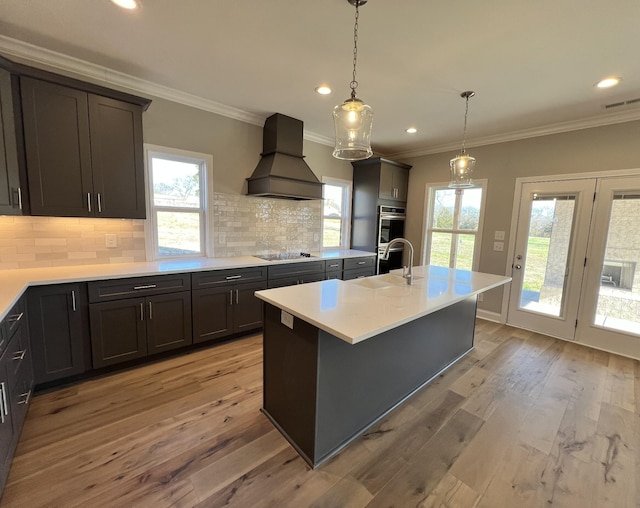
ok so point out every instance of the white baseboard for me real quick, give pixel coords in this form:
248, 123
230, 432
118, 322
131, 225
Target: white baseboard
489, 316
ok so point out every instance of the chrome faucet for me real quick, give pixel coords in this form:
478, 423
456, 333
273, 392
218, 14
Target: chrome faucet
407, 271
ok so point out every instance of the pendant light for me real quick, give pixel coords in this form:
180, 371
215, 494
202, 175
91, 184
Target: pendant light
353, 117
462, 165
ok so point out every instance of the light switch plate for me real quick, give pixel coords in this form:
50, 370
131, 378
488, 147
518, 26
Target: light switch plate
286, 319
498, 246
498, 235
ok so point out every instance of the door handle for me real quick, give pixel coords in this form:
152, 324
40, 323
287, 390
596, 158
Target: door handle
89, 201
518, 267
150, 311
99, 203
19, 198
73, 301
236, 297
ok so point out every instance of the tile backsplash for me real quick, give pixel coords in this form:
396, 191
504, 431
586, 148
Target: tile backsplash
242, 225
38, 242
246, 225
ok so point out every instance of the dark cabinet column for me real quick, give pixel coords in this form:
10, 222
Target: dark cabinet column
118, 331
212, 313
11, 199
58, 330
168, 319
116, 157
56, 129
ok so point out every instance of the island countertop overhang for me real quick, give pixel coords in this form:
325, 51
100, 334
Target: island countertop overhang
357, 310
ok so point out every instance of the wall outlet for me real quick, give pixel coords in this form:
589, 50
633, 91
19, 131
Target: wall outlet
498, 246
498, 235
110, 240
316, 237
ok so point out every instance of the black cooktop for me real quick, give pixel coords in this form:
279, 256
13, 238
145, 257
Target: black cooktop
285, 255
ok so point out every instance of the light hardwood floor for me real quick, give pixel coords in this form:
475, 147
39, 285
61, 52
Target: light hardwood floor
522, 421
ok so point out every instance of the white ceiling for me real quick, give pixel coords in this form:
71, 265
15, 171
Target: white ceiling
532, 64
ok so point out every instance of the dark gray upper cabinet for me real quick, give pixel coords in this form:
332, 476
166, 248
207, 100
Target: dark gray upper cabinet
384, 180
11, 198
83, 151
73, 148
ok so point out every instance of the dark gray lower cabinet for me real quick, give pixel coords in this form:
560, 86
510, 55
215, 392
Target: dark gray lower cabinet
16, 383
59, 331
123, 330
222, 311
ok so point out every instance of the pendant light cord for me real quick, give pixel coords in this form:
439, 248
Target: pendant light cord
354, 84
464, 132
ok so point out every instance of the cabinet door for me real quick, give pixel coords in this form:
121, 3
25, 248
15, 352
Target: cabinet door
10, 197
401, 183
387, 189
118, 331
56, 131
116, 158
212, 313
58, 331
168, 319
7, 444
247, 308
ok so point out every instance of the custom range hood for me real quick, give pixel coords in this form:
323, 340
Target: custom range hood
282, 171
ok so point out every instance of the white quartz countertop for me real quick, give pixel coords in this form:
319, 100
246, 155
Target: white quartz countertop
13, 283
359, 309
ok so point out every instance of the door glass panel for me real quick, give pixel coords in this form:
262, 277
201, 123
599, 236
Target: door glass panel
547, 254
618, 305
440, 249
470, 210
178, 233
464, 257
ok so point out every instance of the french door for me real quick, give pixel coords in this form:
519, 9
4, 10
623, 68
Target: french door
550, 249
576, 262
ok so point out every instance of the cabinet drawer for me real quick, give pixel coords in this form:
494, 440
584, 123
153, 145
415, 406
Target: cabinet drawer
20, 396
18, 356
107, 290
14, 318
358, 274
203, 280
294, 269
364, 262
335, 265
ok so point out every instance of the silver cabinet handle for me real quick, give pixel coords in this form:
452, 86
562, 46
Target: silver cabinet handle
231, 297
20, 198
150, 311
25, 397
16, 317
147, 286
19, 355
89, 201
99, 203
73, 301
362, 262
333, 266
236, 297
142, 312
4, 410
231, 277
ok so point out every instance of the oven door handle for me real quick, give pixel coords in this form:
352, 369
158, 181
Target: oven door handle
392, 216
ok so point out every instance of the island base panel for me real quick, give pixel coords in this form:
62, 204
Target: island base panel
322, 392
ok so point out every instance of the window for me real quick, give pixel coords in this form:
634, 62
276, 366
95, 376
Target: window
453, 226
336, 213
177, 214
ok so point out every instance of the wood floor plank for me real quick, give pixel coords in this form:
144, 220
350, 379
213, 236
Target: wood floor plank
523, 420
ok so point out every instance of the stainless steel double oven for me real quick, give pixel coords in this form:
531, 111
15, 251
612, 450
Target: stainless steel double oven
391, 221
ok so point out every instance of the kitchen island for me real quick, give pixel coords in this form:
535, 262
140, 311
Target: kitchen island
339, 355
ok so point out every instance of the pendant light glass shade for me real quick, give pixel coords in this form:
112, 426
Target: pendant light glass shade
462, 165
461, 171
353, 119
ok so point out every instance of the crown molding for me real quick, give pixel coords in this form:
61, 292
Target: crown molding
629, 115
52, 59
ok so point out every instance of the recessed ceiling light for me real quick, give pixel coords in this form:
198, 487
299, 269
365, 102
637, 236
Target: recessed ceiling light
127, 4
323, 90
608, 82
411, 130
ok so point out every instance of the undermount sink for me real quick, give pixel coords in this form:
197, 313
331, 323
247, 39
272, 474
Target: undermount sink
383, 281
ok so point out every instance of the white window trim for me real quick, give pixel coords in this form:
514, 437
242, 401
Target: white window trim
427, 214
345, 240
206, 198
